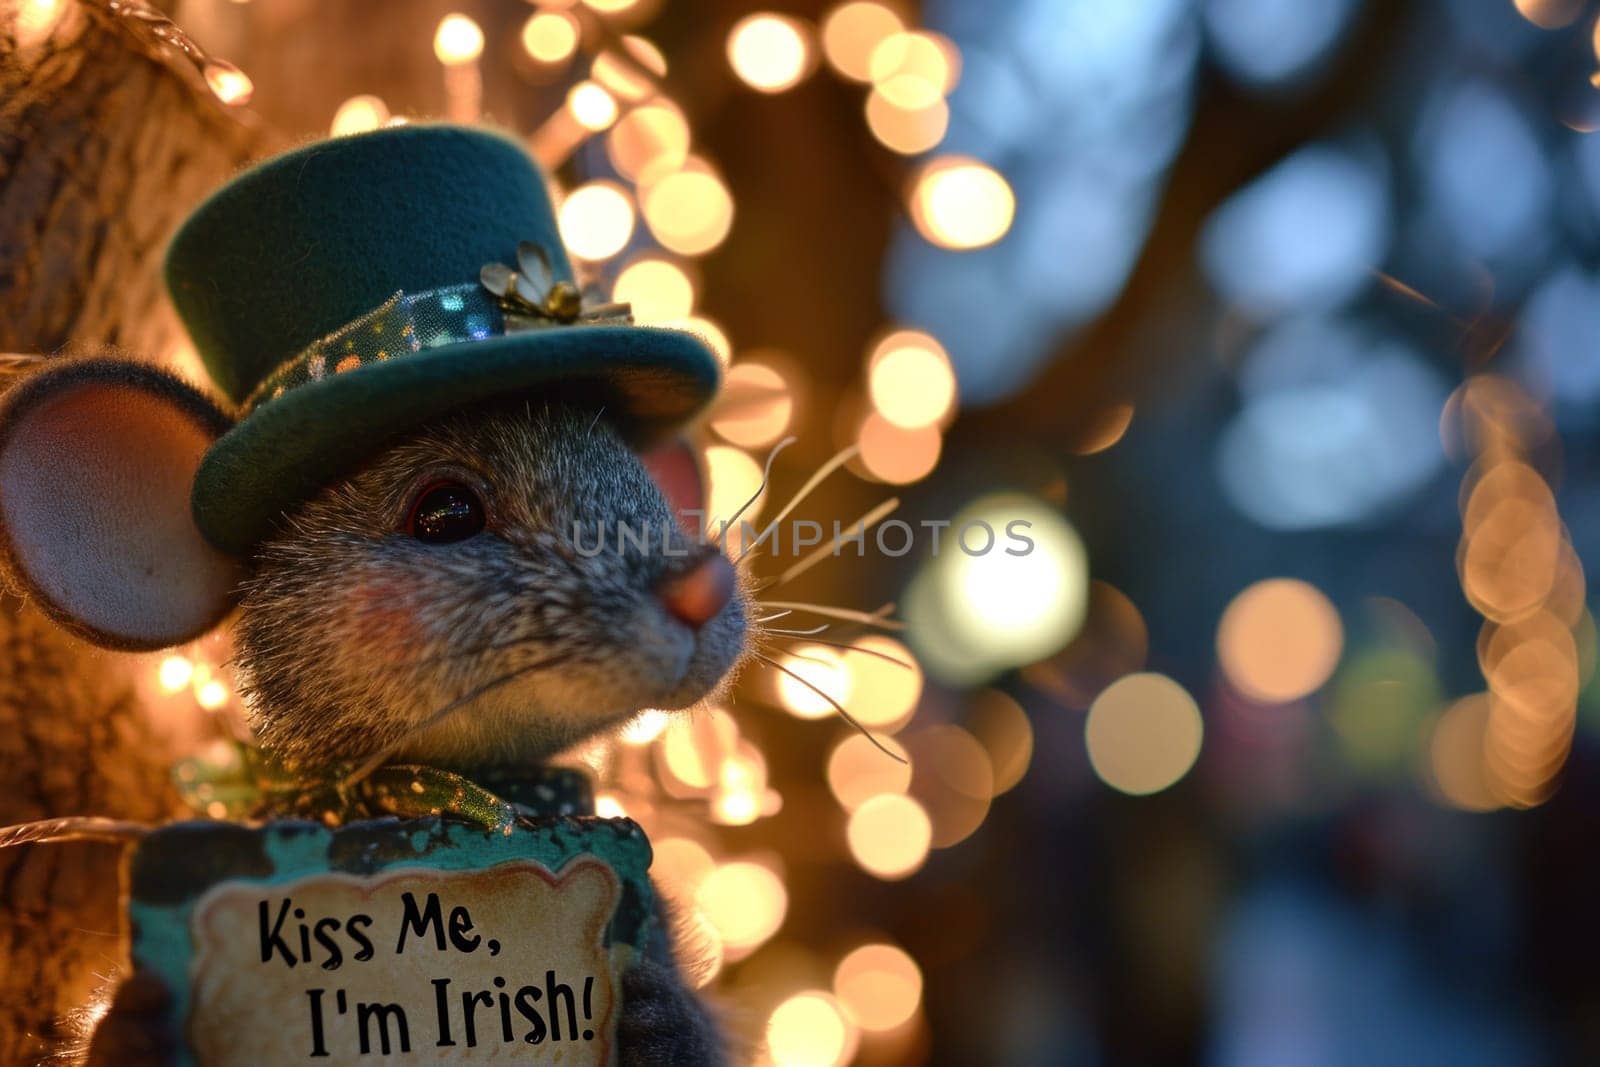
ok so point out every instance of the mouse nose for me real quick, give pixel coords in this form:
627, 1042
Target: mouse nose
698, 594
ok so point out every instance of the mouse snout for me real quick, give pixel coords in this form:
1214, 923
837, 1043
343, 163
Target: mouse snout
695, 596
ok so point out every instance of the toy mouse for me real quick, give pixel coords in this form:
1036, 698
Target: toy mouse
429, 432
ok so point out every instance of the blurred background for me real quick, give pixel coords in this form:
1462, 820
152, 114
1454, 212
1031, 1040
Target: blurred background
1280, 322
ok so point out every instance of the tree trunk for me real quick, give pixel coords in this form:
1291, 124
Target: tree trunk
104, 145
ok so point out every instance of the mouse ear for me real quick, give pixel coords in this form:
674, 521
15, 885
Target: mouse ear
97, 457
675, 466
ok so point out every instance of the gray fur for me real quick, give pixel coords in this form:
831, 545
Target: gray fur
351, 632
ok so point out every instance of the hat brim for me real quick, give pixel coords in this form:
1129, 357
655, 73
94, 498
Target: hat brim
648, 381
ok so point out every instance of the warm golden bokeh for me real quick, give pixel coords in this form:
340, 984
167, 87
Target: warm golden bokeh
910, 380
358, 115
648, 141
879, 986
746, 902
756, 405
909, 131
550, 36
1143, 733
809, 1030
851, 33
769, 52
1279, 640
1456, 755
1006, 733
689, 211
658, 291
596, 220
889, 836
821, 670
885, 682
895, 454
859, 770
735, 478
458, 40
593, 107
961, 203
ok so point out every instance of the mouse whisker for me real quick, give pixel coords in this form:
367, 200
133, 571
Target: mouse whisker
766, 475
785, 632
876, 618
839, 459
846, 645
378, 758
822, 552
774, 617
838, 707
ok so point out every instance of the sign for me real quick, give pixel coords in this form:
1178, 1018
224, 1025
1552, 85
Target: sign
423, 942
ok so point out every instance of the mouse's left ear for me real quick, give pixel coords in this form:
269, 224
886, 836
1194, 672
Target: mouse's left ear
675, 466
97, 457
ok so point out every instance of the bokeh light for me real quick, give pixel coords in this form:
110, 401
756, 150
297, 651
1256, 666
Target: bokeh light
734, 478
756, 405
1279, 640
851, 33
961, 203
897, 454
858, 770
909, 131
809, 1030
596, 220
1006, 733
889, 836
175, 672
1143, 733
1010, 599
769, 52
689, 211
746, 902
885, 682
910, 380
657, 290
228, 83
358, 115
593, 107
550, 36
649, 141
458, 40
821, 670
879, 986
1456, 755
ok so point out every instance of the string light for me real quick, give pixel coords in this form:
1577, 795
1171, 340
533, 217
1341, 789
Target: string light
230, 84
592, 106
358, 115
658, 291
1143, 733
689, 211
809, 1030
851, 32
879, 986
961, 203
458, 40
596, 220
769, 52
550, 36
889, 836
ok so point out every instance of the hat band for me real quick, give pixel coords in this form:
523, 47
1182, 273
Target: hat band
401, 325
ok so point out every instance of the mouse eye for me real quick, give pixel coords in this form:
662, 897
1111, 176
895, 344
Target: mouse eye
445, 512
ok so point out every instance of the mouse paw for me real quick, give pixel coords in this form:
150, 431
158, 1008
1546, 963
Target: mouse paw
663, 1022
136, 1030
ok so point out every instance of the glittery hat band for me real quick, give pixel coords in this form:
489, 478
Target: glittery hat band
503, 302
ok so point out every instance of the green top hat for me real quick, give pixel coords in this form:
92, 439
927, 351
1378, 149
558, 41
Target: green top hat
351, 290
